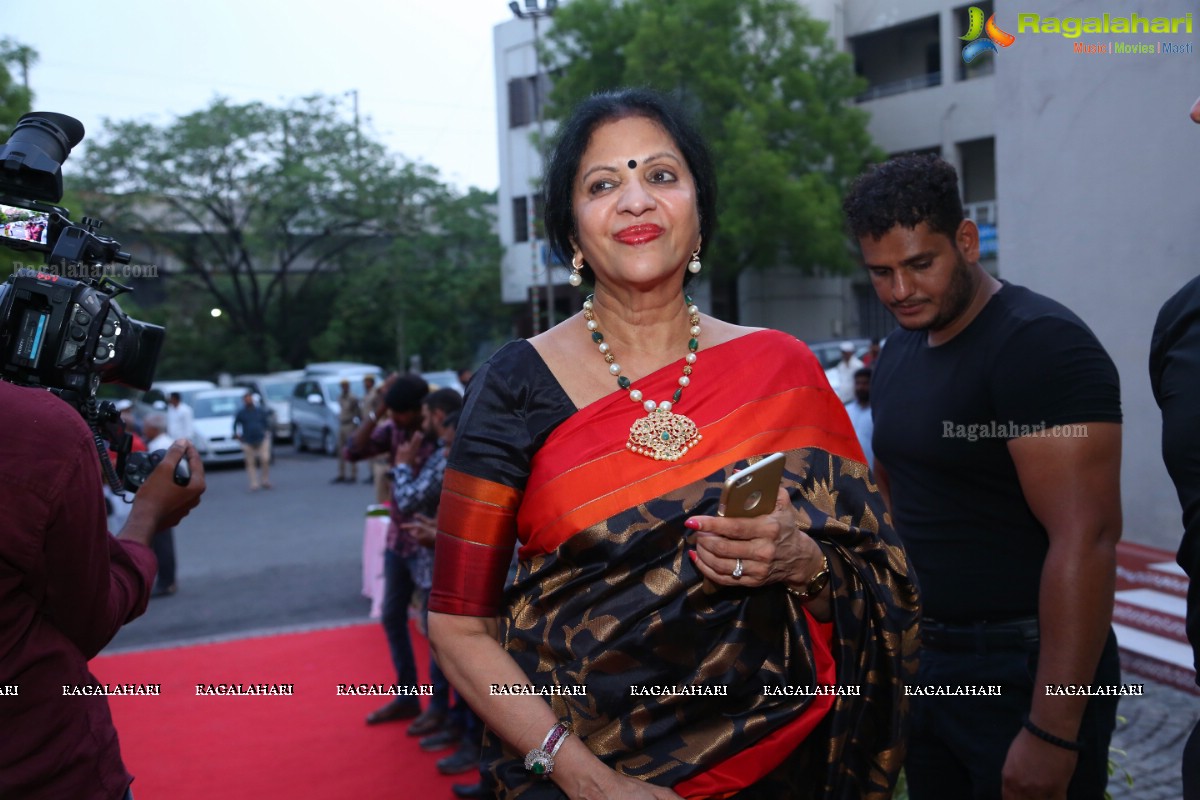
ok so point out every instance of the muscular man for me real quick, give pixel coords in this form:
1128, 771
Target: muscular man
997, 443
66, 588
1175, 380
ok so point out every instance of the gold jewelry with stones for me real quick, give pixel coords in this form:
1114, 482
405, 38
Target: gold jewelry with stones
661, 434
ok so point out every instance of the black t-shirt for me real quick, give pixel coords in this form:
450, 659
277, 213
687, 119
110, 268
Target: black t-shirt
943, 418
1175, 379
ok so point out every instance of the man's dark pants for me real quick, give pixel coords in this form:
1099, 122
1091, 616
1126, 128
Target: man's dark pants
958, 744
397, 595
1191, 766
163, 545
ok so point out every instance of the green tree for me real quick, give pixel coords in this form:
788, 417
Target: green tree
257, 209
772, 96
441, 282
15, 100
15, 97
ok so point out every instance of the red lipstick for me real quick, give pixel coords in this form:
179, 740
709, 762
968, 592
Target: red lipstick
638, 234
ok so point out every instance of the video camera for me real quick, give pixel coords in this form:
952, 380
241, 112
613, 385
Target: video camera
60, 327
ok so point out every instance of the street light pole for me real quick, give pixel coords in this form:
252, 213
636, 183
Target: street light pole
533, 11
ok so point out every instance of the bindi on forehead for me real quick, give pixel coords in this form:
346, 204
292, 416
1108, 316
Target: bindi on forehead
632, 164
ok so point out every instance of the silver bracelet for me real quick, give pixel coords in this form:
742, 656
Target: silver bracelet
540, 760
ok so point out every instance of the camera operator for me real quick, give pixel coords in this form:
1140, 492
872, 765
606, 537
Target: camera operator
66, 588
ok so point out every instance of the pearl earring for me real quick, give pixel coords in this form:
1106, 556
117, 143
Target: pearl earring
694, 264
575, 279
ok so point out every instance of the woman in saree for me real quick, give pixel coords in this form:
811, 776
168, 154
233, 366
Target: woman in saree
648, 648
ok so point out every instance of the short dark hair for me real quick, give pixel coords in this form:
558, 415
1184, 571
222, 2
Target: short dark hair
906, 190
448, 400
407, 393
572, 141
862, 372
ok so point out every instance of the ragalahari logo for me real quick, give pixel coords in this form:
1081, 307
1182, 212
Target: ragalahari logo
995, 36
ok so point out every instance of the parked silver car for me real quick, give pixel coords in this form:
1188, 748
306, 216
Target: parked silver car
315, 409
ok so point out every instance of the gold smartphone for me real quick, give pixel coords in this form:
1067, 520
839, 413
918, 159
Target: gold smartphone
752, 491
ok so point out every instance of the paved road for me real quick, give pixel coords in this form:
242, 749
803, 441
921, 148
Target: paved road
252, 561
291, 558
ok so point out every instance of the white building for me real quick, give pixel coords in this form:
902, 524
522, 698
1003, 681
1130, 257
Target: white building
1082, 169
519, 95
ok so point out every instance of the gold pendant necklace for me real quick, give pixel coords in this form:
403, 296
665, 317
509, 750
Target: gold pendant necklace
662, 434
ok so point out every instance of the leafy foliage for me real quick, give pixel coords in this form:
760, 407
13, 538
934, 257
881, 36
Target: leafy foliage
770, 92
15, 98
274, 215
443, 283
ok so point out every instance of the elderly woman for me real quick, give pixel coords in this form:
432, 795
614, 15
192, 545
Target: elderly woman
648, 648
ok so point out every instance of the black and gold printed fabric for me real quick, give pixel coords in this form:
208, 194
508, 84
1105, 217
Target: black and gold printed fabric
716, 693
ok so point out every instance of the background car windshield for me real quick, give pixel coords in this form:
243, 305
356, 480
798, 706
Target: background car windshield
333, 388
216, 406
279, 391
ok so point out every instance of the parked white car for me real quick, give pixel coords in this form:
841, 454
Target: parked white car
214, 410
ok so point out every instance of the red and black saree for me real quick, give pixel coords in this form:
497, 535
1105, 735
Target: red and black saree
709, 692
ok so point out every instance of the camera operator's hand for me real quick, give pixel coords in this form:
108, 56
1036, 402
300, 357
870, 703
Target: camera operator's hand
161, 503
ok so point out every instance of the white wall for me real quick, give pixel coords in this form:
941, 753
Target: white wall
810, 308
519, 162
1098, 172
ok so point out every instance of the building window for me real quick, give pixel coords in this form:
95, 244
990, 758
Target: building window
520, 219
524, 99
978, 160
899, 59
520, 102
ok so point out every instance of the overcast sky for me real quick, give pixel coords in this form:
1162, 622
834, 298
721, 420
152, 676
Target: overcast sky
423, 69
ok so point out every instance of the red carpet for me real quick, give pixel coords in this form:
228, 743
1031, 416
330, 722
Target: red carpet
312, 745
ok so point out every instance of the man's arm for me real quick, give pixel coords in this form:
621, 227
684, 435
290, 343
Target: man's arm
1072, 485
370, 439
414, 493
95, 584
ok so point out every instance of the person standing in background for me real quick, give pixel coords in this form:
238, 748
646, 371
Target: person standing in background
872, 353
179, 418
378, 467
252, 427
403, 396
859, 411
841, 375
349, 414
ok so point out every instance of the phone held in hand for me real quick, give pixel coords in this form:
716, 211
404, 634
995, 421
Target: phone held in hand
752, 491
